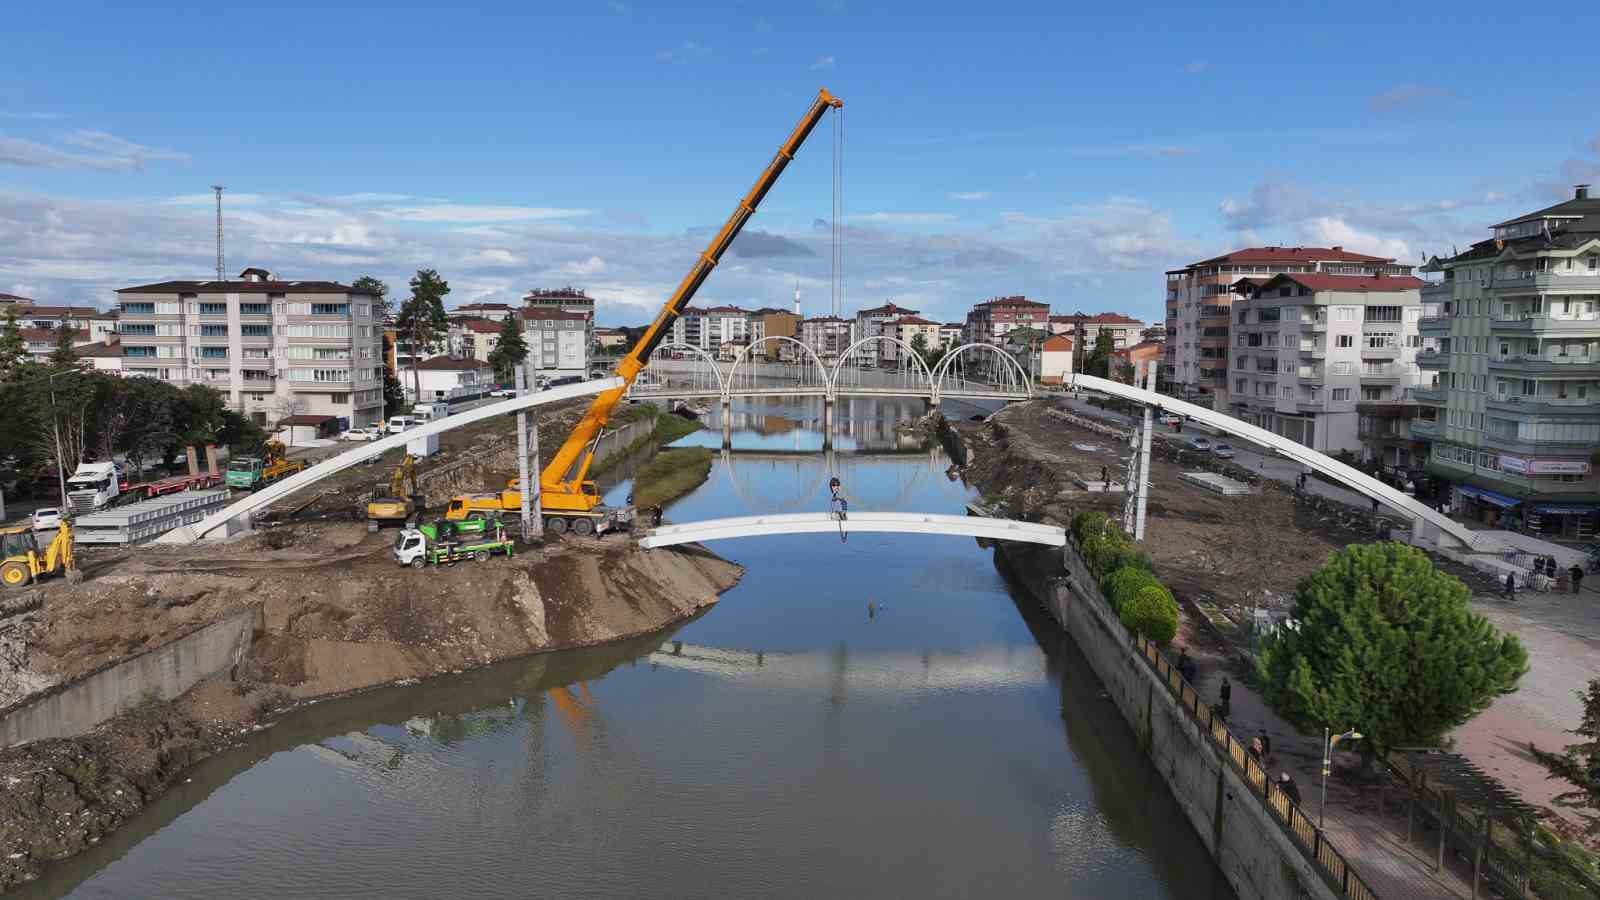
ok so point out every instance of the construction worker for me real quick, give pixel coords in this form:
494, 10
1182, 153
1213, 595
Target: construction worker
840, 504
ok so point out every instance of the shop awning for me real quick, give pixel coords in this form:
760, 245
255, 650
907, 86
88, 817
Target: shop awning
1566, 509
1488, 496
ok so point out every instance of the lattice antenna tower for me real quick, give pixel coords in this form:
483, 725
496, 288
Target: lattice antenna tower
221, 269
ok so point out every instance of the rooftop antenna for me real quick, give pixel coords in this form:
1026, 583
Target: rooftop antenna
220, 269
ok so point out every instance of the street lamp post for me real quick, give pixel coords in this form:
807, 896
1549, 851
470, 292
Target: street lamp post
1328, 743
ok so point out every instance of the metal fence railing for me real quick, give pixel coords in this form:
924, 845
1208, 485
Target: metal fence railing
1306, 835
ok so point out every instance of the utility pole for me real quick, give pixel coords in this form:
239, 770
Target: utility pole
55, 428
221, 269
1144, 453
528, 465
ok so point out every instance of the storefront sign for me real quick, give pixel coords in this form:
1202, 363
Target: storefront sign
1514, 464
1520, 466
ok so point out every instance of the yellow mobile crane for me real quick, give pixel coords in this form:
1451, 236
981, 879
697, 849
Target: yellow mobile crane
567, 496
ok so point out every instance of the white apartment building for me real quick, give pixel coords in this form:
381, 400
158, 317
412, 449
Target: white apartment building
1125, 331
446, 377
1199, 295
558, 340
710, 328
1310, 349
950, 335
828, 336
274, 348
1515, 404
908, 329
878, 321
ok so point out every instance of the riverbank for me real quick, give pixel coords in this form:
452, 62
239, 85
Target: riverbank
671, 474
337, 615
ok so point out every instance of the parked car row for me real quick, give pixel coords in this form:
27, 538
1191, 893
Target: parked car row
1219, 449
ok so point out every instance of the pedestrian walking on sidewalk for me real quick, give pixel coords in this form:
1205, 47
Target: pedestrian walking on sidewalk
1576, 574
1266, 744
1105, 479
1226, 693
1511, 586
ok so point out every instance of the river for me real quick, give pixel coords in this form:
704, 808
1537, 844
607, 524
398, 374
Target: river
861, 715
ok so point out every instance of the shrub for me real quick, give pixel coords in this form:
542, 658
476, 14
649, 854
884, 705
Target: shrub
1086, 523
1152, 612
1123, 583
1101, 548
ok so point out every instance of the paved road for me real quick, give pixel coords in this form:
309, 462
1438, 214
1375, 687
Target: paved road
1248, 455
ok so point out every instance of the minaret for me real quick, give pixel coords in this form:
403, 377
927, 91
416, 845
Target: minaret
797, 298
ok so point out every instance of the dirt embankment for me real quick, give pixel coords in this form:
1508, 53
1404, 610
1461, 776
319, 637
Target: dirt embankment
1236, 551
340, 615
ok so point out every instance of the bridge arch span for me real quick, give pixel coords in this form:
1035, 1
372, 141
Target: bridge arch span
743, 365
920, 367
719, 378
942, 371
861, 522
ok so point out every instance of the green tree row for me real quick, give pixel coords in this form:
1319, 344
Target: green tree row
1141, 601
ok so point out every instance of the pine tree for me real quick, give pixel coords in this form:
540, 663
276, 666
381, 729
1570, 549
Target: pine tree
394, 394
13, 349
510, 350
1579, 764
422, 319
62, 356
1386, 644
379, 291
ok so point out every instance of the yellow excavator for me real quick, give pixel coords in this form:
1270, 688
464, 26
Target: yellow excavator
22, 561
397, 506
569, 499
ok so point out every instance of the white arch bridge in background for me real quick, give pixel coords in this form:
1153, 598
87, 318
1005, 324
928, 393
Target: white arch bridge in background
968, 372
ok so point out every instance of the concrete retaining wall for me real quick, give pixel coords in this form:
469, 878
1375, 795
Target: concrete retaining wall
165, 672
1255, 854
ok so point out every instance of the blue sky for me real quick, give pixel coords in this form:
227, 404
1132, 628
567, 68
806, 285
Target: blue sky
1068, 154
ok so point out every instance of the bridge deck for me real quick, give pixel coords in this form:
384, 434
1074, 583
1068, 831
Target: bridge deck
877, 522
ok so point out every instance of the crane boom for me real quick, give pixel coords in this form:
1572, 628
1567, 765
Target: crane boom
562, 481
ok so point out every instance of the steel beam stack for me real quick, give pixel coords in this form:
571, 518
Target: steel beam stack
146, 519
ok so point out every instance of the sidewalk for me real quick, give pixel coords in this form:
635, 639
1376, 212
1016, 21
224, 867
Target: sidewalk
1373, 843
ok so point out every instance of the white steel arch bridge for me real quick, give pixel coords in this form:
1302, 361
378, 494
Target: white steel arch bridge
968, 372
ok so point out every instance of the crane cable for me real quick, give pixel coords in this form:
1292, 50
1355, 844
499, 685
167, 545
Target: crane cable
836, 287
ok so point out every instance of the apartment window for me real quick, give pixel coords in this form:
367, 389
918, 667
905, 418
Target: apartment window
1286, 393
256, 353
1240, 386
329, 309
138, 351
317, 331
1345, 313
213, 331
363, 310
1593, 261
213, 309
1345, 340
1344, 368
1382, 313
255, 330
1373, 393
211, 353
139, 309
131, 328
1341, 394
338, 398
255, 309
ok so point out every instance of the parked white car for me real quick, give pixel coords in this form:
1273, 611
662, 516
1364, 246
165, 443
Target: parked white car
362, 433
46, 518
1222, 451
400, 424
503, 392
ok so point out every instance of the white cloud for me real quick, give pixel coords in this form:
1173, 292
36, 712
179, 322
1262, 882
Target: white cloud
1331, 231
120, 148
1405, 96
1196, 67
582, 268
969, 195
457, 212
825, 62
209, 199
96, 150
903, 218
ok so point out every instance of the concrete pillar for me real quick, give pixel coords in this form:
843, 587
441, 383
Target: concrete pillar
1143, 487
827, 422
727, 422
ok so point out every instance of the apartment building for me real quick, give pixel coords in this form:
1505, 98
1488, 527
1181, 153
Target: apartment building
876, 322
710, 327
1309, 349
447, 377
472, 338
41, 342
494, 312
274, 348
92, 323
909, 329
828, 336
989, 321
1515, 400
950, 334
1055, 359
1199, 297
1124, 330
558, 340
770, 321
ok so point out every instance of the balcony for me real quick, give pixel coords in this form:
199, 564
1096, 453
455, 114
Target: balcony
1425, 428
1427, 394
1317, 352
1387, 351
1544, 406
1432, 359
1532, 364
1518, 283
1435, 292
1392, 376
1575, 326
1528, 445
1437, 325
1319, 323
1387, 409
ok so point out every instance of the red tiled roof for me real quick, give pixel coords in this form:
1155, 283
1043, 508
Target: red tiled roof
450, 364
1105, 318
305, 419
241, 287
887, 309
14, 298
481, 326
1291, 254
99, 349
723, 309
1318, 281
912, 320
1058, 342
1011, 301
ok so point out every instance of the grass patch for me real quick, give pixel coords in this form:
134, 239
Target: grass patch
671, 426
670, 475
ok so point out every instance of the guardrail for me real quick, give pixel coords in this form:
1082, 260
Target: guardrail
1328, 860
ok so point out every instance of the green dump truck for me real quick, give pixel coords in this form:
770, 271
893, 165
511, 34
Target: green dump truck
445, 543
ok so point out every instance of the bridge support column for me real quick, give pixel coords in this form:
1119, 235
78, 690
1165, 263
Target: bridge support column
727, 422
827, 422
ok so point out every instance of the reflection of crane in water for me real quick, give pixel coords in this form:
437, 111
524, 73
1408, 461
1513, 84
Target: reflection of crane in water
576, 710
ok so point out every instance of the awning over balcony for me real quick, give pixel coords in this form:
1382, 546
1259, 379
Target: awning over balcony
1488, 496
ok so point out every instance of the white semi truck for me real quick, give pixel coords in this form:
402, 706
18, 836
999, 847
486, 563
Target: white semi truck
93, 486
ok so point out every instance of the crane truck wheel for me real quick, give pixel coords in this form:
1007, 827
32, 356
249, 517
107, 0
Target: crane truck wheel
481, 556
13, 575
582, 527
556, 526
418, 563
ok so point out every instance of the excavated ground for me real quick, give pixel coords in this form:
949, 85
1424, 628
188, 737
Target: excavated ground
1235, 551
340, 615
